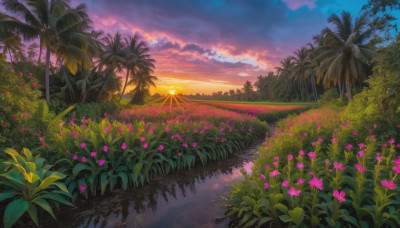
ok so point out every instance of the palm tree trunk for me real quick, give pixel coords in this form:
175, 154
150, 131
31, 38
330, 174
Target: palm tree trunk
314, 88
47, 76
9, 52
348, 87
126, 82
301, 92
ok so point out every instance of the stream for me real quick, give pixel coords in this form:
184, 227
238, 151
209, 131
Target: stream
181, 199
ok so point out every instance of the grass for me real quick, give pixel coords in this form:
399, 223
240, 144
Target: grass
311, 104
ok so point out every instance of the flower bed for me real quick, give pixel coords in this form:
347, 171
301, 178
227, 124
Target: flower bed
319, 170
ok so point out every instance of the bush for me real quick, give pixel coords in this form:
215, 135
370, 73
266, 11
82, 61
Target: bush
275, 116
94, 111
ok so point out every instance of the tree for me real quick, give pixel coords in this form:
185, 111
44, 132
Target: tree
12, 45
60, 28
344, 56
136, 58
247, 90
143, 81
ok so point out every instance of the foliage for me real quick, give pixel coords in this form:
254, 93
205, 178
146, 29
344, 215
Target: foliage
149, 141
28, 184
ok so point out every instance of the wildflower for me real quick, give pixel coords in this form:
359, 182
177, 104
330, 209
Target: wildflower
274, 173
194, 144
124, 146
34, 84
334, 140
290, 157
339, 196
311, 173
360, 153
349, 147
396, 169
67, 152
166, 129
266, 166
266, 184
75, 157
83, 159
275, 163
360, 168
161, 147
311, 155
285, 184
293, 192
82, 188
180, 154
327, 162
355, 132
379, 157
301, 153
105, 148
261, 176
101, 162
83, 145
389, 185
93, 154
142, 139
145, 145
300, 181
337, 165
391, 141
300, 165
317, 183
361, 145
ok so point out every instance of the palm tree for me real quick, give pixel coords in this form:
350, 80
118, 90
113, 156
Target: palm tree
12, 45
298, 71
60, 28
136, 58
143, 81
344, 56
247, 90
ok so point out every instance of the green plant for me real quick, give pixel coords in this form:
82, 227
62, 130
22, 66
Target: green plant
29, 184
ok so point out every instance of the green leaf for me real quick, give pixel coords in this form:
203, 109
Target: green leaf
43, 204
281, 207
33, 214
57, 198
297, 215
4, 196
78, 168
136, 170
264, 220
49, 181
14, 211
285, 218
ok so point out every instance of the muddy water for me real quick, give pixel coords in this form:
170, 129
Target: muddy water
185, 199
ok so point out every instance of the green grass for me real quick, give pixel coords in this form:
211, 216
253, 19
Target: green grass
310, 104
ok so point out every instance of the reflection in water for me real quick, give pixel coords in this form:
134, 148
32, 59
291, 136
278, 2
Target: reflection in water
185, 199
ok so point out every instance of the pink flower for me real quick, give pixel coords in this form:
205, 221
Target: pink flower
75, 157
145, 145
301, 153
396, 169
93, 154
261, 176
185, 144
355, 132
360, 153
194, 144
180, 154
166, 129
290, 157
300, 181
334, 140
389, 185
361, 145
67, 152
82, 188
30, 74
266, 166
327, 162
101, 162
379, 157
124, 146
266, 185
285, 184
339, 196
337, 165
311, 155
300, 165
275, 163
360, 168
311, 173
293, 192
83, 145
317, 183
105, 148
391, 141
142, 139
274, 173
34, 84
105, 114
161, 147
349, 147
83, 159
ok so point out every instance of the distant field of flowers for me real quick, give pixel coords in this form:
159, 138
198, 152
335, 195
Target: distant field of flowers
319, 169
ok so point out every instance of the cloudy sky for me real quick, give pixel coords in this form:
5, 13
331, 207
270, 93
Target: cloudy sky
209, 45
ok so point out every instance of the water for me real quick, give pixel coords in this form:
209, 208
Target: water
183, 199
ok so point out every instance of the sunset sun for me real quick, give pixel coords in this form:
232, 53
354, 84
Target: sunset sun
172, 92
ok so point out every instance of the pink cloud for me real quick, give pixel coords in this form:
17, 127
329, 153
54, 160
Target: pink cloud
295, 4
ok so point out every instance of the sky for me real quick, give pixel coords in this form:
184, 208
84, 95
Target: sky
203, 46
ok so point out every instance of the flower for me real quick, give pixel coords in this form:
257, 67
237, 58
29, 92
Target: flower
124, 146
75, 157
266, 166
166, 129
360, 168
379, 157
274, 173
194, 144
300, 181
290, 157
145, 145
389, 185
142, 139
67, 152
301, 153
261, 176
396, 169
34, 84
180, 154
300, 165
311, 173
82, 188
161, 147
105, 148
185, 144
337, 165
266, 185
293, 192
327, 162
93, 154
101, 162
83, 159
311, 155
355, 132
317, 183
361, 145
285, 184
83, 145
339, 196
360, 153
391, 141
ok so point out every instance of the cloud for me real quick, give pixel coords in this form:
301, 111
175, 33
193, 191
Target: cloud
295, 4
